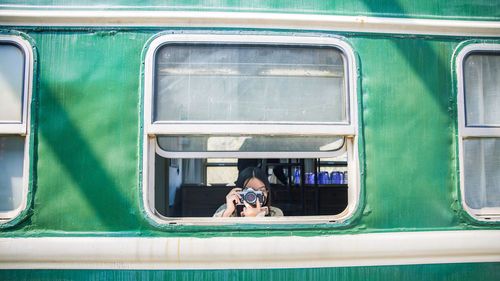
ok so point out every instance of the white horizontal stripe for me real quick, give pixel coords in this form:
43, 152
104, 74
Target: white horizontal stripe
393, 248
471, 132
71, 17
13, 129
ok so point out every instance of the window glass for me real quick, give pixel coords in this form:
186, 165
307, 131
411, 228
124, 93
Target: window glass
11, 83
11, 172
482, 177
220, 82
249, 143
482, 89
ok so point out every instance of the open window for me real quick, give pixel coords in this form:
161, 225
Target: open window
216, 103
15, 91
478, 69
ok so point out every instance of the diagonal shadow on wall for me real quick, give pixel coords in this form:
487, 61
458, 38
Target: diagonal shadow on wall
107, 202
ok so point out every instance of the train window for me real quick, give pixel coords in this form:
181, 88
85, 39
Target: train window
15, 81
215, 104
479, 129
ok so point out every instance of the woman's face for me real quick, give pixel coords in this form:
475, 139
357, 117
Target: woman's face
256, 185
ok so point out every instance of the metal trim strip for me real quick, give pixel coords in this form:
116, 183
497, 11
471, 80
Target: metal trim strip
121, 18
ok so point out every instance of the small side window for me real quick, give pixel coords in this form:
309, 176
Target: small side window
15, 83
479, 129
11, 83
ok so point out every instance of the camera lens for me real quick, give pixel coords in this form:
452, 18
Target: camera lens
250, 197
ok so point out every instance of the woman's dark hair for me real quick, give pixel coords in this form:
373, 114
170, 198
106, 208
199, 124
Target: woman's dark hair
254, 172
251, 172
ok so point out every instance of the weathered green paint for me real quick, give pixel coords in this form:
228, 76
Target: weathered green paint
86, 137
406, 96
456, 9
88, 144
89, 138
442, 272
89, 153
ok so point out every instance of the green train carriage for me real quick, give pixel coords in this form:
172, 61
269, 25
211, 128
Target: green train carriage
122, 127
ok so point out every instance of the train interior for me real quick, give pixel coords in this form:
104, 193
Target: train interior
197, 187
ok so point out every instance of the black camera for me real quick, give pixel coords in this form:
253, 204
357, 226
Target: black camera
251, 196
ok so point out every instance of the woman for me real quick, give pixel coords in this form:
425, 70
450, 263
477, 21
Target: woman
255, 178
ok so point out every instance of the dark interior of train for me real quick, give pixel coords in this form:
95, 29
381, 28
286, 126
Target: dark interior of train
299, 187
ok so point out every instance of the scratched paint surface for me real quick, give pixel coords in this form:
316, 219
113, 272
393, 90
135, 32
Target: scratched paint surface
89, 130
88, 122
88, 139
442, 272
456, 9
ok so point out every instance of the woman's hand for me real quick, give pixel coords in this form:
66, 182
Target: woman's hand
232, 198
251, 211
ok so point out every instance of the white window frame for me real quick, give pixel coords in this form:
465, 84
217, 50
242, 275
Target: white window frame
347, 129
246, 154
464, 131
20, 128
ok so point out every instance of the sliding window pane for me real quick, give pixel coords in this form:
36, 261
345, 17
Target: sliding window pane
250, 143
11, 83
482, 172
210, 82
11, 172
482, 89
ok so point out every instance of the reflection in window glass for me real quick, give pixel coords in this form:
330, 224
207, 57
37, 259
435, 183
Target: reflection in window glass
218, 82
250, 143
482, 177
11, 83
11, 172
221, 175
482, 89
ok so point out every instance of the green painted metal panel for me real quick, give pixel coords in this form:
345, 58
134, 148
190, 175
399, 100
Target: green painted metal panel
88, 140
456, 9
443, 272
408, 126
88, 131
